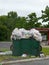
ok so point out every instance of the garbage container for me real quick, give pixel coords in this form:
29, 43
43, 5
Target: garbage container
16, 48
26, 46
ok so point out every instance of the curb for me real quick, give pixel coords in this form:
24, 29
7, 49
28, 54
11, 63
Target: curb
25, 60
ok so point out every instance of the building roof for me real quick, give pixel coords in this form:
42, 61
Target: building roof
43, 29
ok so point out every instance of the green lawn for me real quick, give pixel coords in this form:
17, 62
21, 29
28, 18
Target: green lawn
45, 50
4, 49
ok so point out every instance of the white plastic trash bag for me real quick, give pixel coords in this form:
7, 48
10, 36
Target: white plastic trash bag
36, 34
16, 34
23, 33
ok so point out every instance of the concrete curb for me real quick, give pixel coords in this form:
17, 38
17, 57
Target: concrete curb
25, 60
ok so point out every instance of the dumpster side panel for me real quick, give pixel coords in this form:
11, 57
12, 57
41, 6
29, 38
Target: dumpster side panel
35, 48
16, 47
26, 46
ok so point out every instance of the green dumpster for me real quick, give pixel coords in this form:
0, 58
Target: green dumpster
26, 46
16, 48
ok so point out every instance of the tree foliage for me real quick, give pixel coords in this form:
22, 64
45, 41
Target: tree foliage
45, 14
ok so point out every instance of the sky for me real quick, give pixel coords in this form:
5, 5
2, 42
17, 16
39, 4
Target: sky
23, 7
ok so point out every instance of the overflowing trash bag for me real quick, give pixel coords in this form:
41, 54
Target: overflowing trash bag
36, 34
23, 33
16, 34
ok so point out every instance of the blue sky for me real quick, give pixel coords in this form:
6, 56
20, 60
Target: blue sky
23, 7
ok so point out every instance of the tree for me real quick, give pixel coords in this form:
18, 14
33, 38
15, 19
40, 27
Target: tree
11, 20
47, 25
4, 33
12, 14
45, 14
32, 20
38, 25
21, 22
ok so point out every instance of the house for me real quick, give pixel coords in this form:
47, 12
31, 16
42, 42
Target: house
45, 34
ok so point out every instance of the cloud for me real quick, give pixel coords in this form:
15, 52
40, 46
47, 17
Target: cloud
23, 7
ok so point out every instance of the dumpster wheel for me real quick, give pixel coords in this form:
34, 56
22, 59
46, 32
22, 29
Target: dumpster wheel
40, 48
11, 47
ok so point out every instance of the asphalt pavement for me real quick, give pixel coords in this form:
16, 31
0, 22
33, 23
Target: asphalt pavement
5, 45
42, 62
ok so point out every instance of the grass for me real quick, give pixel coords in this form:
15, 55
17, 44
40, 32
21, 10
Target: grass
45, 50
4, 49
9, 57
4, 58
